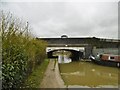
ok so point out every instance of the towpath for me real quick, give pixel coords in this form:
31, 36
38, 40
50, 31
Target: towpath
52, 77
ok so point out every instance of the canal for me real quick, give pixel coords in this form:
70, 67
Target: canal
88, 74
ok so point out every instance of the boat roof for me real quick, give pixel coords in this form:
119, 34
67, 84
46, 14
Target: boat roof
110, 54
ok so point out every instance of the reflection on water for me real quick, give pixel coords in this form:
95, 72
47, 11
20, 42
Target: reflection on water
64, 59
89, 74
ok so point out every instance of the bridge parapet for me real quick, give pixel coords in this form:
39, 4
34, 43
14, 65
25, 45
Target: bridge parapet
68, 45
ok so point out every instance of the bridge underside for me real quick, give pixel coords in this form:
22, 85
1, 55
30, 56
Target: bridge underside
75, 55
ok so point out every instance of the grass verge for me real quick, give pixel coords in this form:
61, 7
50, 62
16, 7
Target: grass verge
37, 75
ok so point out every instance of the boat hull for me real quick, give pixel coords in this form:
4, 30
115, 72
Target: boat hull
106, 63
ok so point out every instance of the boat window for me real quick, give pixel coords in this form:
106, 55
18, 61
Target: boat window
112, 57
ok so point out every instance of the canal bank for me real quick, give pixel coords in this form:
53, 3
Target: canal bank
75, 75
52, 77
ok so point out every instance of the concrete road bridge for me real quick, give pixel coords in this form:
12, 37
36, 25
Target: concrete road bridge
77, 52
79, 47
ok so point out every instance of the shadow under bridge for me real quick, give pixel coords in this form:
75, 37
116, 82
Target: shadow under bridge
74, 54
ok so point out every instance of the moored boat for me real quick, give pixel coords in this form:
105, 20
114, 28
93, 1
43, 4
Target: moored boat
106, 59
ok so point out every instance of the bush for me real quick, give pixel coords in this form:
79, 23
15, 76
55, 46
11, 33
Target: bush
21, 53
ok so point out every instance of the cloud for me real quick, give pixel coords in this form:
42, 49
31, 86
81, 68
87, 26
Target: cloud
52, 19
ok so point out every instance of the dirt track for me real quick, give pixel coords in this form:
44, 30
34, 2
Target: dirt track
52, 78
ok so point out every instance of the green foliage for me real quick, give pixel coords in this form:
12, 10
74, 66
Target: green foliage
34, 80
21, 53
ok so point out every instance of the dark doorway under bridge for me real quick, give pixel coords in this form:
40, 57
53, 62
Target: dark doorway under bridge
75, 55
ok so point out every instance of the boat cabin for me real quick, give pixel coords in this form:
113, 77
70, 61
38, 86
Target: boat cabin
109, 57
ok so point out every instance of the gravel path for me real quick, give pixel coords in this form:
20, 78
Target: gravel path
52, 78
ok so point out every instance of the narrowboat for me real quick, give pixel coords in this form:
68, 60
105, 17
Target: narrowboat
106, 59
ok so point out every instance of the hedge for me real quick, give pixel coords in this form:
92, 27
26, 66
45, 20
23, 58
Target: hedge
21, 52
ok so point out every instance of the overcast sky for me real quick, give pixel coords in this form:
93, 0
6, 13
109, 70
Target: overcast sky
75, 19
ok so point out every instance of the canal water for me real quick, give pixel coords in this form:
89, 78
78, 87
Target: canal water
88, 74
64, 59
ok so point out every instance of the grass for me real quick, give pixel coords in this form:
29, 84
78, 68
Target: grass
36, 77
